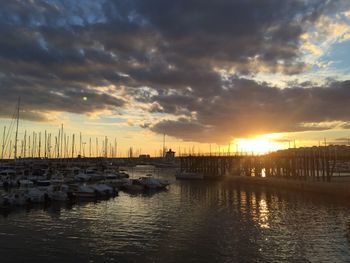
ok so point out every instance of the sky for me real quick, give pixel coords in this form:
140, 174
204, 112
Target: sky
209, 74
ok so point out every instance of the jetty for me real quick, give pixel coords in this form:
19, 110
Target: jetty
323, 169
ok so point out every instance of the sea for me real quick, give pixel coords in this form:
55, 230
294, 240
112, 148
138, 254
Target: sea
192, 221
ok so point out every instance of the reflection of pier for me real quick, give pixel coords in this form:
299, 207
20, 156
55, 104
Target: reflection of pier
316, 163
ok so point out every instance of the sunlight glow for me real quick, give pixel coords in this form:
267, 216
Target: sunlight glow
259, 145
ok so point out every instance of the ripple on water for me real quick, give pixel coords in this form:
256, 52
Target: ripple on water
191, 222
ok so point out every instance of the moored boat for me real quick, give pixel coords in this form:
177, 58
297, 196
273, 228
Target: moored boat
153, 183
104, 189
84, 192
134, 185
58, 192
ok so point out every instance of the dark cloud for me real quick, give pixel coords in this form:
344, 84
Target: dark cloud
38, 100
168, 54
248, 108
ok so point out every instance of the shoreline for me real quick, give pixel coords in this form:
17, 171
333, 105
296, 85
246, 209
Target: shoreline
335, 189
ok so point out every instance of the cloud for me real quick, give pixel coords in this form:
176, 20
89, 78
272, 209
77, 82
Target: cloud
186, 58
248, 108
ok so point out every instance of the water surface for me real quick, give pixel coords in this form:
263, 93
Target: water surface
209, 221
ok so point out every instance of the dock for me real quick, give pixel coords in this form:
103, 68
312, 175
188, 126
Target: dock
308, 164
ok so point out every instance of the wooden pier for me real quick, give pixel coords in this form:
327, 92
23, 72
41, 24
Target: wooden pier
210, 166
312, 164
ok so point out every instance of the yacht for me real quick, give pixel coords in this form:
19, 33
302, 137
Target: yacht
153, 183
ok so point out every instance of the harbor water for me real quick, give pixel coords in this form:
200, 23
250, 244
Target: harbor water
193, 221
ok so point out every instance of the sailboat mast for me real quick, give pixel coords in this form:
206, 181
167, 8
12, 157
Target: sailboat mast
80, 144
97, 155
25, 144
39, 150
90, 148
3, 144
73, 142
45, 148
17, 123
62, 150
115, 148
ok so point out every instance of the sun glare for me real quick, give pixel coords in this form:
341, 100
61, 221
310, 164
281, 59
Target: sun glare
258, 145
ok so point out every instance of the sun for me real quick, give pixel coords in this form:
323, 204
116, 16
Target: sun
258, 145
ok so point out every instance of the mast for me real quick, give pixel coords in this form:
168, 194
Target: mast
80, 144
39, 151
73, 142
55, 148
66, 155
22, 147
58, 144
45, 148
25, 144
3, 144
33, 144
97, 155
29, 146
10, 152
90, 148
64, 146
163, 145
106, 147
62, 150
17, 123
49, 145
115, 147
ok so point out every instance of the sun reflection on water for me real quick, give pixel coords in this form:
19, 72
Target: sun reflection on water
263, 214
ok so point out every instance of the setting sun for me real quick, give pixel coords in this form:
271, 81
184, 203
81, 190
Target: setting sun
258, 145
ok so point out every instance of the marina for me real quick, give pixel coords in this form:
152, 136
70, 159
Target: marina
41, 182
182, 131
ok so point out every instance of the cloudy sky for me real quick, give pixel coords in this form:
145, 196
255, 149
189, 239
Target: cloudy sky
200, 71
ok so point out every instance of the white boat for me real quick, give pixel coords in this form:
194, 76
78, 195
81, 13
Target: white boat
109, 174
73, 171
58, 192
25, 183
8, 177
94, 175
134, 185
82, 177
36, 196
18, 198
118, 183
57, 178
189, 175
8, 173
23, 197
103, 189
36, 178
85, 192
89, 175
153, 183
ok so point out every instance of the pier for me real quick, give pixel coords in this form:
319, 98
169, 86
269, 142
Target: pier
210, 166
310, 164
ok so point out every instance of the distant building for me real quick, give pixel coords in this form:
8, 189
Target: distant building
170, 155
